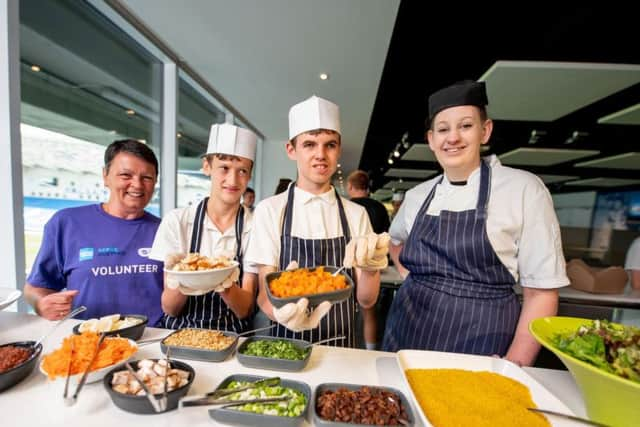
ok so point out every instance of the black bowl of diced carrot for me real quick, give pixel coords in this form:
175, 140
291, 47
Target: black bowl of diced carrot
317, 284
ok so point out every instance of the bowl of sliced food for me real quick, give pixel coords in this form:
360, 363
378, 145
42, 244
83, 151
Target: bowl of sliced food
77, 351
604, 359
317, 284
128, 394
17, 360
200, 272
123, 325
288, 405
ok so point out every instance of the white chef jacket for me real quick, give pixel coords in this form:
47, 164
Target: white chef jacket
632, 261
314, 217
522, 226
174, 236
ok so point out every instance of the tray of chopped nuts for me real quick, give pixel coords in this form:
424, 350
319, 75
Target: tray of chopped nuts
200, 344
340, 404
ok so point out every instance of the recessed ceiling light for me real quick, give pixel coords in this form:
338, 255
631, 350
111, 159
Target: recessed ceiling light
390, 161
396, 153
339, 165
130, 112
179, 135
35, 68
324, 76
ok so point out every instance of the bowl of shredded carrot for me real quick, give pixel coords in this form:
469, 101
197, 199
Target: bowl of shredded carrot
79, 349
317, 284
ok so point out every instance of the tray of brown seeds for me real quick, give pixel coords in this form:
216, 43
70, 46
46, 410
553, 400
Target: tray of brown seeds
200, 344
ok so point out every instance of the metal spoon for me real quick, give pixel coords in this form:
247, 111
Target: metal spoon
257, 330
323, 341
71, 314
570, 417
335, 273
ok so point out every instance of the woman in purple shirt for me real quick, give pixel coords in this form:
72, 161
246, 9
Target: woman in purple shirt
97, 255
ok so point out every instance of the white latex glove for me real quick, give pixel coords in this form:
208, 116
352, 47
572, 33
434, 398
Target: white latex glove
368, 252
294, 316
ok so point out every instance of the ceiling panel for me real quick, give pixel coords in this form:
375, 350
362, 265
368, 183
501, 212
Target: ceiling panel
420, 153
401, 185
410, 173
604, 182
628, 116
620, 161
552, 89
550, 179
543, 156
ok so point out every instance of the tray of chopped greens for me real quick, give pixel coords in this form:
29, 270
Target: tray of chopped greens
289, 413
614, 348
280, 354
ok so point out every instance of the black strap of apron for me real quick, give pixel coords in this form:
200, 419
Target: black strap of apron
198, 229
198, 222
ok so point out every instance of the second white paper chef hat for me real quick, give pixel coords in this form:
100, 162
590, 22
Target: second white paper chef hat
311, 114
232, 140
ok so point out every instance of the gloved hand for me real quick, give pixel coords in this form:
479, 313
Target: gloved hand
368, 252
294, 316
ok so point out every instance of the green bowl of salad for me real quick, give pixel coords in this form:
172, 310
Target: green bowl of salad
604, 359
274, 353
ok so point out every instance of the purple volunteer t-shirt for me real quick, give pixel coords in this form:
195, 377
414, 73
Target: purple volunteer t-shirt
105, 258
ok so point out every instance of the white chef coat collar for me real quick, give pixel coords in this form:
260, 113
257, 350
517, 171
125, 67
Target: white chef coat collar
305, 197
210, 225
475, 175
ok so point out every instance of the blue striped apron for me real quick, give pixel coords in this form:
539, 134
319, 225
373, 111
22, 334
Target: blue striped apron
209, 311
314, 252
458, 296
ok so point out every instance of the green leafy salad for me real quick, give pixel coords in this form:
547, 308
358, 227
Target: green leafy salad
276, 349
290, 408
611, 347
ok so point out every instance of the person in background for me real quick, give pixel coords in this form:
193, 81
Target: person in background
99, 253
311, 225
249, 198
632, 264
358, 190
396, 202
465, 238
218, 225
282, 186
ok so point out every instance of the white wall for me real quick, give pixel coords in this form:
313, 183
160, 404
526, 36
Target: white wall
575, 209
274, 164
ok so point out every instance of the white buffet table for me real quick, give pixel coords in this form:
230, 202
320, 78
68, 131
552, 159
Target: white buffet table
38, 402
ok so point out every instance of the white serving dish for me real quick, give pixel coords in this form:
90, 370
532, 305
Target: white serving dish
418, 359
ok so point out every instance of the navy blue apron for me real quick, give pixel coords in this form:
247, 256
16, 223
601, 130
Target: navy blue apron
310, 253
458, 296
209, 311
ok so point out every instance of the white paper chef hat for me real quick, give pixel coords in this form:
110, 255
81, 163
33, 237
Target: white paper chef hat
397, 197
311, 114
232, 140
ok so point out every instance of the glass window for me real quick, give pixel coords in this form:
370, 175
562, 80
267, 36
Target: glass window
84, 84
196, 114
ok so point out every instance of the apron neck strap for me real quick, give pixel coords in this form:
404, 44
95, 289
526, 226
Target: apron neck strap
198, 229
485, 189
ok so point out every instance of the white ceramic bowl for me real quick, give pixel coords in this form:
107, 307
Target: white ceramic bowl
93, 376
202, 279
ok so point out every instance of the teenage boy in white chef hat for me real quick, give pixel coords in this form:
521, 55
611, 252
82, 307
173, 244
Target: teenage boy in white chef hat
218, 225
311, 225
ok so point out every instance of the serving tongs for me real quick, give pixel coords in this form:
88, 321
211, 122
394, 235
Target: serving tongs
69, 401
219, 397
569, 417
159, 404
